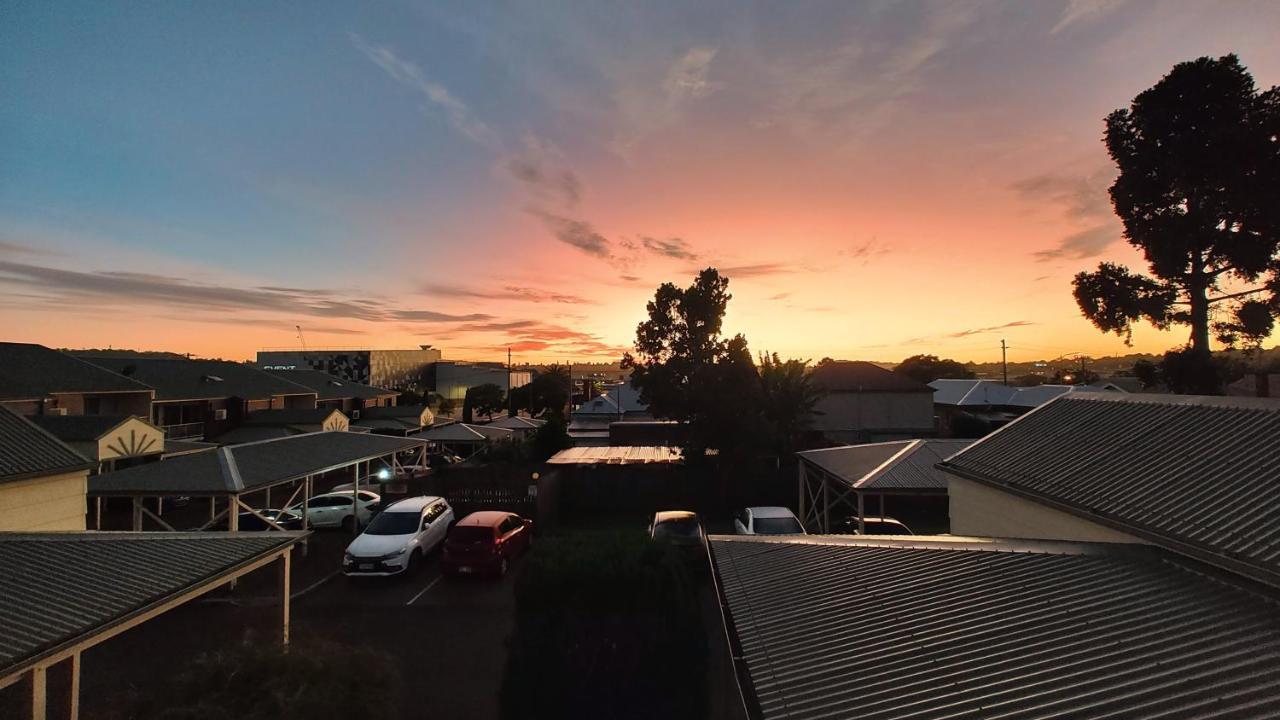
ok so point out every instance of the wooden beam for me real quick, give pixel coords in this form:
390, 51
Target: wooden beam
73, 700
39, 692
862, 524
137, 514
257, 514
283, 571
157, 518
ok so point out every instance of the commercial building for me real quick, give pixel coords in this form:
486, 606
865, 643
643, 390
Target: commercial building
397, 369
451, 378
334, 392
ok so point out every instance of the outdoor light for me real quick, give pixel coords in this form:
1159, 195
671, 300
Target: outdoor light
535, 476
384, 474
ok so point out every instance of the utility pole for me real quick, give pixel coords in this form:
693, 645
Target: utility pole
1004, 360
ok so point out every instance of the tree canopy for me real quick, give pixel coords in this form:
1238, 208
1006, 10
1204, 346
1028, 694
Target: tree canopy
1197, 191
485, 400
546, 394
927, 368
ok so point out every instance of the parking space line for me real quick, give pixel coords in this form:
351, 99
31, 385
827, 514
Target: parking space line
424, 590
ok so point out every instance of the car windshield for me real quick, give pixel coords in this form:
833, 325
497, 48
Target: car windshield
471, 534
884, 528
678, 528
777, 526
394, 523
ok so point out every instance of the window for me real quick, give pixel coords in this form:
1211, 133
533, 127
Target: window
511, 523
367, 496
394, 523
777, 526
678, 528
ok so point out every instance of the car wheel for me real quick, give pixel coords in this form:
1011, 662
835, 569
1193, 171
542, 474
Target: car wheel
348, 524
415, 559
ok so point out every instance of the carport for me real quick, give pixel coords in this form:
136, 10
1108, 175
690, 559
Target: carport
234, 472
465, 438
67, 592
846, 476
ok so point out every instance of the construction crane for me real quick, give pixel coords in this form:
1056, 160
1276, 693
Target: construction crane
301, 340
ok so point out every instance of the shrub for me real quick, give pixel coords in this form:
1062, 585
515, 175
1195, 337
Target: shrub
607, 626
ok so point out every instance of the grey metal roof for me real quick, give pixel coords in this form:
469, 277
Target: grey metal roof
29, 372
60, 587
73, 428
291, 416
464, 432
238, 468
183, 379
1196, 474
330, 387
895, 465
896, 629
28, 451
862, 376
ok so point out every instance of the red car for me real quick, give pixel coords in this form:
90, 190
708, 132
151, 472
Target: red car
485, 542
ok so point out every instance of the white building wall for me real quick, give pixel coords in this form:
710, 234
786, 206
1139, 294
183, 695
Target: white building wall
983, 511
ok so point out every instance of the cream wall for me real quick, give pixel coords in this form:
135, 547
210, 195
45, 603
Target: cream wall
984, 511
853, 412
53, 502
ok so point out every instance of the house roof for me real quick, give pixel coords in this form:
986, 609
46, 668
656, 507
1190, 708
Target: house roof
290, 416
518, 423
394, 411
59, 588
182, 379
983, 393
329, 387
27, 451
30, 372
254, 465
618, 455
1196, 474
862, 376
897, 465
910, 628
81, 428
617, 399
464, 432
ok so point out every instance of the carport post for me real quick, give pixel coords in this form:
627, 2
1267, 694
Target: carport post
97, 513
73, 702
862, 525
355, 502
268, 503
282, 586
800, 475
826, 508
39, 693
881, 495
137, 514
306, 503
213, 508
233, 513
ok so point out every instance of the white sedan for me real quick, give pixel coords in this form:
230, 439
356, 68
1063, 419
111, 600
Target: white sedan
767, 521
399, 537
335, 509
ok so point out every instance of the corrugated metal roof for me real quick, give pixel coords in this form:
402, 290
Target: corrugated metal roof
465, 432
58, 587
985, 393
259, 464
34, 371
183, 379
862, 376
618, 455
899, 629
29, 451
895, 465
1199, 474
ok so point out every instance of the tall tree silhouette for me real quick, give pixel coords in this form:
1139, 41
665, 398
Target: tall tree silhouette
1199, 195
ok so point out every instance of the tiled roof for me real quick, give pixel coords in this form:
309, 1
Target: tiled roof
896, 465
518, 423
61, 587
890, 630
28, 451
861, 376
182, 379
290, 416
329, 387
29, 372
252, 465
394, 411
464, 432
1196, 474
78, 428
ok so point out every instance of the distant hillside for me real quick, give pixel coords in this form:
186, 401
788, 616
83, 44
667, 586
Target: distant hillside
113, 353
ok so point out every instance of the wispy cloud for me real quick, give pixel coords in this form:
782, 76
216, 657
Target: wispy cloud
437, 95
576, 233
673, 247
504, 292
687, 77
14, 248
1081, 199
69, 288
540, 167
1077, 11
756, 270
989, 329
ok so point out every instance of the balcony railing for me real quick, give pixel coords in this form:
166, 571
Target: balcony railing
184, 431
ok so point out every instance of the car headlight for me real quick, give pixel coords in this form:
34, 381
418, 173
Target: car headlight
393, 555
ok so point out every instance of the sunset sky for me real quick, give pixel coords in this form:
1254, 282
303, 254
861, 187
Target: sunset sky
876, 179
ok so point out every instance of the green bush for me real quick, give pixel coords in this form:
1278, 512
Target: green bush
607, 626
313, 681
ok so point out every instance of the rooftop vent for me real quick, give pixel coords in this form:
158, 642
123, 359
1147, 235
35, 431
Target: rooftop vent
211, 378
335, 383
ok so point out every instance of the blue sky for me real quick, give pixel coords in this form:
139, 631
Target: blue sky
477, 175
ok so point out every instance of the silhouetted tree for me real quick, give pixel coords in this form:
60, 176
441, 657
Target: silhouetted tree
1028, 380
927, 368
547, 393
789, 395
1197, 191
1148, 373
484, 399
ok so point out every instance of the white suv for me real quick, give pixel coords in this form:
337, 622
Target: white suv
399, 537
334, 509
766, 521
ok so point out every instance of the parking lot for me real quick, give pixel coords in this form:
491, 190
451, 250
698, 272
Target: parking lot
446, 635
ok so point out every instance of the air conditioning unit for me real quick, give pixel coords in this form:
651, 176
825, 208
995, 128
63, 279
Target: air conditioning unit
355, 414
220, 414
56, 411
